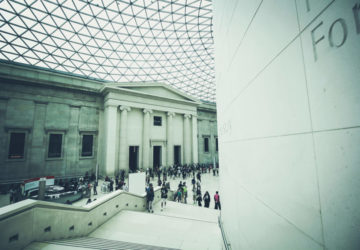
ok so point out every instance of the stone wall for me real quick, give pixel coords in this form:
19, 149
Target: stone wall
39, 110
40, 103
288, 97
207, 128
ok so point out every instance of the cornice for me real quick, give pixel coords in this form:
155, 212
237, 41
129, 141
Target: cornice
109, 89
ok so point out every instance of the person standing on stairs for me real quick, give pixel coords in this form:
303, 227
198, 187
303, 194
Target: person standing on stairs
150, 198
164, 193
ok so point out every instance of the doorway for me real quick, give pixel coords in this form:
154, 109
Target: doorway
177, 155
156, 157
133, 158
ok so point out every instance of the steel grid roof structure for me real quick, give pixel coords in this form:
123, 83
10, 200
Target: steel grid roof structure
168, 41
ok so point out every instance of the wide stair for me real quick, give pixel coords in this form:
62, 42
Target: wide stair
178, 226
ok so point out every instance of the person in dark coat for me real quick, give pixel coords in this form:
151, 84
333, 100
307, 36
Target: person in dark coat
150, 197
164, 192
95, 186
206, 199
199, 198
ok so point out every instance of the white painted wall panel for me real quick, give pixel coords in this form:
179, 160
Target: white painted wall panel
333, 78
135, 126
158, 132
288, 100
272, 29
276, 100
338, 158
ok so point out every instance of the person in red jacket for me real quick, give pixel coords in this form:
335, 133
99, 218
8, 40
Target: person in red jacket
217, 201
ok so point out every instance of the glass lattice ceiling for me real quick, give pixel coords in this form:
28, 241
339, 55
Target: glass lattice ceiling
166, 41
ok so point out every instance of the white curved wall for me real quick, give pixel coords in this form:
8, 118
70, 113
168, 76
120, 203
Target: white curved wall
288, 98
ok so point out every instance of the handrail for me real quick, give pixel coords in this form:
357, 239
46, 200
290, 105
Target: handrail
226, 243
27, 223
59, 206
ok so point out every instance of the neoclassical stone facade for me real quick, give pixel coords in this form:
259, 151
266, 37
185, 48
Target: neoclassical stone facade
150, 119
63, 125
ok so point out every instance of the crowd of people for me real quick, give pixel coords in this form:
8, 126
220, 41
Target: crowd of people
181, 194
179, 171
163, 174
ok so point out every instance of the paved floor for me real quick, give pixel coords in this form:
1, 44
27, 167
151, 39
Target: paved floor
209, 183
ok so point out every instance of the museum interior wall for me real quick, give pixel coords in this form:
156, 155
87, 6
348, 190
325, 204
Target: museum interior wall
288, 99
54, 124
36, 109
207, 133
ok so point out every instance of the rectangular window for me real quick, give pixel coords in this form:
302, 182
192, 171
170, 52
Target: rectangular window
17, 145
157, 120
206, 144
55, 145
217, 145
87, 145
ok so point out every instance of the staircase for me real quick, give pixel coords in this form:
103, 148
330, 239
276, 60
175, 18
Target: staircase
98, 243
178, 226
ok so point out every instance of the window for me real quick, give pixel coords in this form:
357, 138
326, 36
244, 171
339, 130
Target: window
55, 145
206, 144
216, 144
17, 145
87, 145
157, 120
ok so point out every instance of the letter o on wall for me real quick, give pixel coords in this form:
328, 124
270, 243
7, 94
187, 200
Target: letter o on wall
341, 23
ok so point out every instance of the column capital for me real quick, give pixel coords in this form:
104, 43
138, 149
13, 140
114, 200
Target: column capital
195, 116
187, 116
124, 108
147, 111
171, 114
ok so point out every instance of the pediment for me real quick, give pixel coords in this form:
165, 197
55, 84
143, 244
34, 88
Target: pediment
158, 89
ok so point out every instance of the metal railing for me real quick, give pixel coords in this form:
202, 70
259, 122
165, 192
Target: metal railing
226, 243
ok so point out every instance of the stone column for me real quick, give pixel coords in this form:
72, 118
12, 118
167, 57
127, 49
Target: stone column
146, 139
110, 139
187, 141
124, 150
194, 140
169, 137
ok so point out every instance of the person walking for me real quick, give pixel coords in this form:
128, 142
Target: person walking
164, 192
185, 193
217, 201
199, 198
206, 199
179, 194
95, 185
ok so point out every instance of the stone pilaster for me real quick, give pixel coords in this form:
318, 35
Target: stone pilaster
194, 141
3, 135
169, 137
110, 139
124, 149
72, 142
38, 142
146, 139
187, 139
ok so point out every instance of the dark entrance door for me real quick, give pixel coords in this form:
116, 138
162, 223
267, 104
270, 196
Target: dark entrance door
156, 157
177, 155
133, 158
